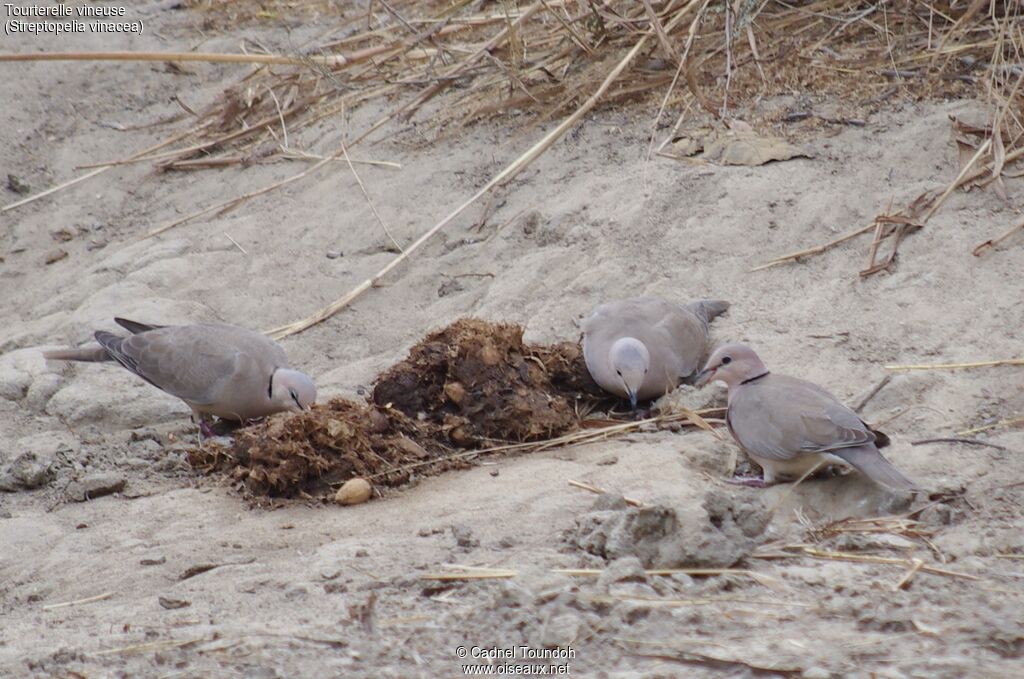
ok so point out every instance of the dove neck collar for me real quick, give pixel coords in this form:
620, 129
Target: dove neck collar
755, 377
270, 384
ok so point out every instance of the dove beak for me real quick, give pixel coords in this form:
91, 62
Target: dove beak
704, 376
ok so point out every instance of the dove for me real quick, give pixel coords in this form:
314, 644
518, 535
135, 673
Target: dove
642, 348
221, 370
788, 425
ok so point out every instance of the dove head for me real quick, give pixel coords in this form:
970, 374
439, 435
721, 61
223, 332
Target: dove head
630, 360
732, 364
292, 390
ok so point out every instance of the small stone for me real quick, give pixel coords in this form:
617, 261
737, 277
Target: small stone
627, 568
455, 392
334, 254
353, 492
95, 485
815, 672
362, 553
26, 471
55, 256
608, 460
464, 537
296, 592
17, 185
171, 604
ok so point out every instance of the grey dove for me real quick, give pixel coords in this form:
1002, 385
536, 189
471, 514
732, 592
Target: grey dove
216, 369
642, 348
788, 425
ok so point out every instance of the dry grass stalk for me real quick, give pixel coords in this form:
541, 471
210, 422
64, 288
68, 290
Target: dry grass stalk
903, 526
655, 602
151, 646
76, 602
575, 438
601, 491
336, 60
464, 572
542, 60
956, 366
77, 180
1009, 422
509, 172
814, 553
991, 243
223, 207
760, 578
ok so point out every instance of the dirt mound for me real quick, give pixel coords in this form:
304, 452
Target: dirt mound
717, 535
468, 386
479, 380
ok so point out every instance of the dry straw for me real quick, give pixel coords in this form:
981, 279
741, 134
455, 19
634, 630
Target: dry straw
562, 59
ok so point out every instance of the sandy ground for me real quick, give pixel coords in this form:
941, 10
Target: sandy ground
328, 591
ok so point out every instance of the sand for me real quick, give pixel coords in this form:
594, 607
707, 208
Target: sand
177, 574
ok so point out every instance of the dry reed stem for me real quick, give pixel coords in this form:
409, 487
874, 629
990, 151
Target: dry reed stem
238, 200
655, 602
760, 578
76, 602
575, 438
981, 248
817, 250
150, 646
380, 220
814, 553
1009, 422
601, 491
916, 565
335, 60
78, 180
956, 366
964, 177
510, 171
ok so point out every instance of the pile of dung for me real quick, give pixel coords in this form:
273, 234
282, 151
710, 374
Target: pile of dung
307, 453
479, 382
469, 386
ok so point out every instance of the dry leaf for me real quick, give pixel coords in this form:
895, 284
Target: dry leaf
740, 145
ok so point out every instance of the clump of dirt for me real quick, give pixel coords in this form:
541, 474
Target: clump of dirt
717, 535
468, 386
478, 380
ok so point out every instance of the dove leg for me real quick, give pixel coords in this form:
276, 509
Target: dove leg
748, 481
205, 429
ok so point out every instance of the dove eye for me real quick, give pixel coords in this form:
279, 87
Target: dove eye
295, 397
619, 373
726, 361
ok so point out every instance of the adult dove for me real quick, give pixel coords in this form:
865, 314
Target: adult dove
642, 348
788, 425
216, 369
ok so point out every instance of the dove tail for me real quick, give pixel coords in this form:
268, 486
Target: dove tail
88, 354
870, 462
708, 309
134, 327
